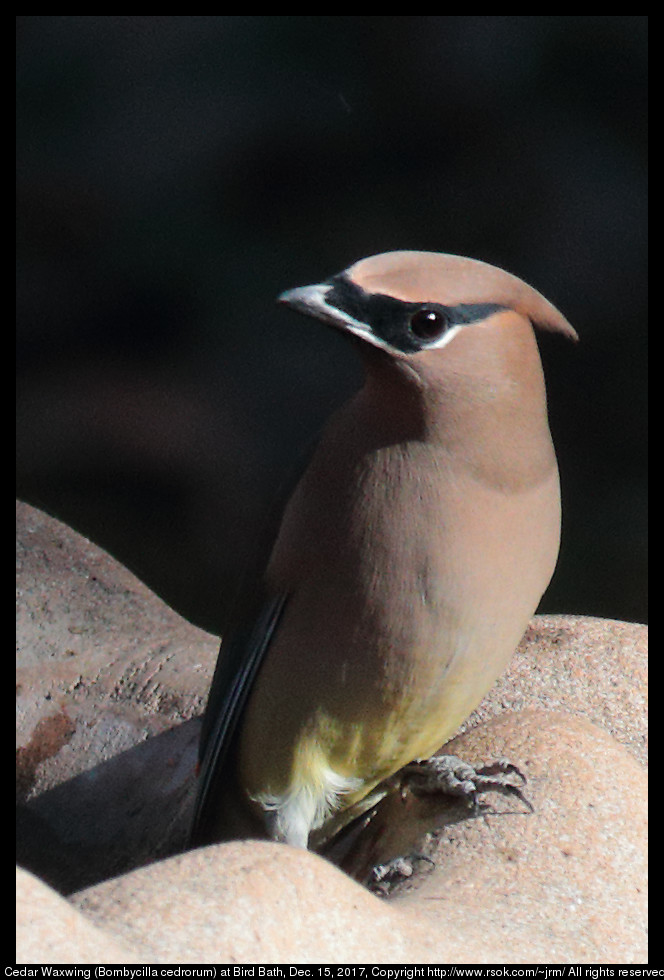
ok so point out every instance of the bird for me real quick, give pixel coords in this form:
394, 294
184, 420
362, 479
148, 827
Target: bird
408, 560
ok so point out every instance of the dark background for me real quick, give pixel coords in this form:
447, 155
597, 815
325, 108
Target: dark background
176, 173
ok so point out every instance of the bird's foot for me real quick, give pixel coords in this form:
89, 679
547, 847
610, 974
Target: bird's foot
384, 878
452, 776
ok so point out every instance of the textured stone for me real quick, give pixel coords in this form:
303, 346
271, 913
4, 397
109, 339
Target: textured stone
594, 668
564, 884
110, 684
50, 930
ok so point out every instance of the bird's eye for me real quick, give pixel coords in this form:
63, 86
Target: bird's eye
428, 324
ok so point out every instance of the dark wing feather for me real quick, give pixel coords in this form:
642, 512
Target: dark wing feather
237, 665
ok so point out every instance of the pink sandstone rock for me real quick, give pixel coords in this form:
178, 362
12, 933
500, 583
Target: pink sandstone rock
110, 684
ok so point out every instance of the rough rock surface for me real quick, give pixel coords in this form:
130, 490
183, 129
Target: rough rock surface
110, 684
49, 929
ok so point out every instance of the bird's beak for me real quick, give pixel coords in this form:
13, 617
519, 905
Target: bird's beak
312, 300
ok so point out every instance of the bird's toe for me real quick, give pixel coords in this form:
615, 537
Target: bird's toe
385, 878
451, 776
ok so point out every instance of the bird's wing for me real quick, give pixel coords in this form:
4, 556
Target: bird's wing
238, 663
254, 620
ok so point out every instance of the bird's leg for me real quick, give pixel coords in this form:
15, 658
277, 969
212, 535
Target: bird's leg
452, 776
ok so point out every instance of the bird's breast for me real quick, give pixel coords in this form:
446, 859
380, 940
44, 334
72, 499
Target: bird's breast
410, 586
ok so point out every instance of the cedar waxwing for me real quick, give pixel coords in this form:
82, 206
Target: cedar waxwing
409, 559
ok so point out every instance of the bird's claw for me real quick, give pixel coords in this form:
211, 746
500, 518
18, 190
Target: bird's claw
452, 776
384, 878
